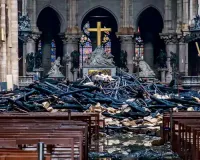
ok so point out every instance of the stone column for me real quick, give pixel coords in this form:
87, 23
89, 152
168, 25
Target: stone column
185, 14
14, 49
149, 50
186, 59
170, 47
24, 7
30, 47
182, 48
183, 58
171, 42
163, 76
3, 67
70, 44
32, 10
179, 15
198, 7
127, 44
168, 16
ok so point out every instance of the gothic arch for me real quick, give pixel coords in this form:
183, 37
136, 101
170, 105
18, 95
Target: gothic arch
60, 17
145, 8
99, 6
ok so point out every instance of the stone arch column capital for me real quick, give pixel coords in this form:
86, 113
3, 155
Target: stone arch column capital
34, 36
170, 38
126, 38
70, 38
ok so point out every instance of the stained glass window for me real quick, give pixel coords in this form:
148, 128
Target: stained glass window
40, 46
53, 52
139, 48
85, 50
107, 42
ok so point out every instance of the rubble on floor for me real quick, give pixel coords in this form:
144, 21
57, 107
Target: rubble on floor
125, 102
128, 146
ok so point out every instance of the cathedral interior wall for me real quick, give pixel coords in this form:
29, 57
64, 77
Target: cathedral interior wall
85, 6
140, 5
59, 6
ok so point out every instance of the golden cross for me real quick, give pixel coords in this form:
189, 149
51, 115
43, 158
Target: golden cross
99, 30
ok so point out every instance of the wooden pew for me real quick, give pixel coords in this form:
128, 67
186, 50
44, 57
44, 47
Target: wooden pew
91, 118
14, 132
38, 133
16, 154
175, 116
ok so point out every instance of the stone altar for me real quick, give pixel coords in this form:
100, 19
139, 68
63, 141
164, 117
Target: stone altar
100, 62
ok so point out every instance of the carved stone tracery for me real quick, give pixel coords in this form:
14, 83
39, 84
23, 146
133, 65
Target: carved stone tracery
172, 38
70, 38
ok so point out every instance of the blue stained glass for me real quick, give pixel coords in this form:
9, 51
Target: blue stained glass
53, 50
108, 47
86, 50
40, 47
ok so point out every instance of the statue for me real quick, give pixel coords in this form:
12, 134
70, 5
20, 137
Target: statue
162, 59
123, 59
55, 70
173, 59
30, 59
75, 59
146, 70
38, 60
99, 58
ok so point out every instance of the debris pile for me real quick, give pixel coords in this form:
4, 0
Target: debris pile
125, 102
128, 146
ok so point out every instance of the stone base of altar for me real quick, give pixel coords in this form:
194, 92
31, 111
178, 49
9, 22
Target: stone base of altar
96, 70
192, 82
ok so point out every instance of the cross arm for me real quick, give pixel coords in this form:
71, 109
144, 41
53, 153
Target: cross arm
92, 29
106, 29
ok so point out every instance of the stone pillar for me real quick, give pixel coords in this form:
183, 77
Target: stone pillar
170, 47
127, 44
186, 59
149, 50
29, 47
126, 31
163, 76
14, 49
70, 44
171, 42
182, 57
9, 39
3, 67
179, 15
185, 15
46, 57
24, 7
168, 16
32, 11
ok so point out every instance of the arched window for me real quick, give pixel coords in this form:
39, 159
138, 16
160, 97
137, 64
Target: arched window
40, 46
107, 42
85, 50
139, 47
53, 52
